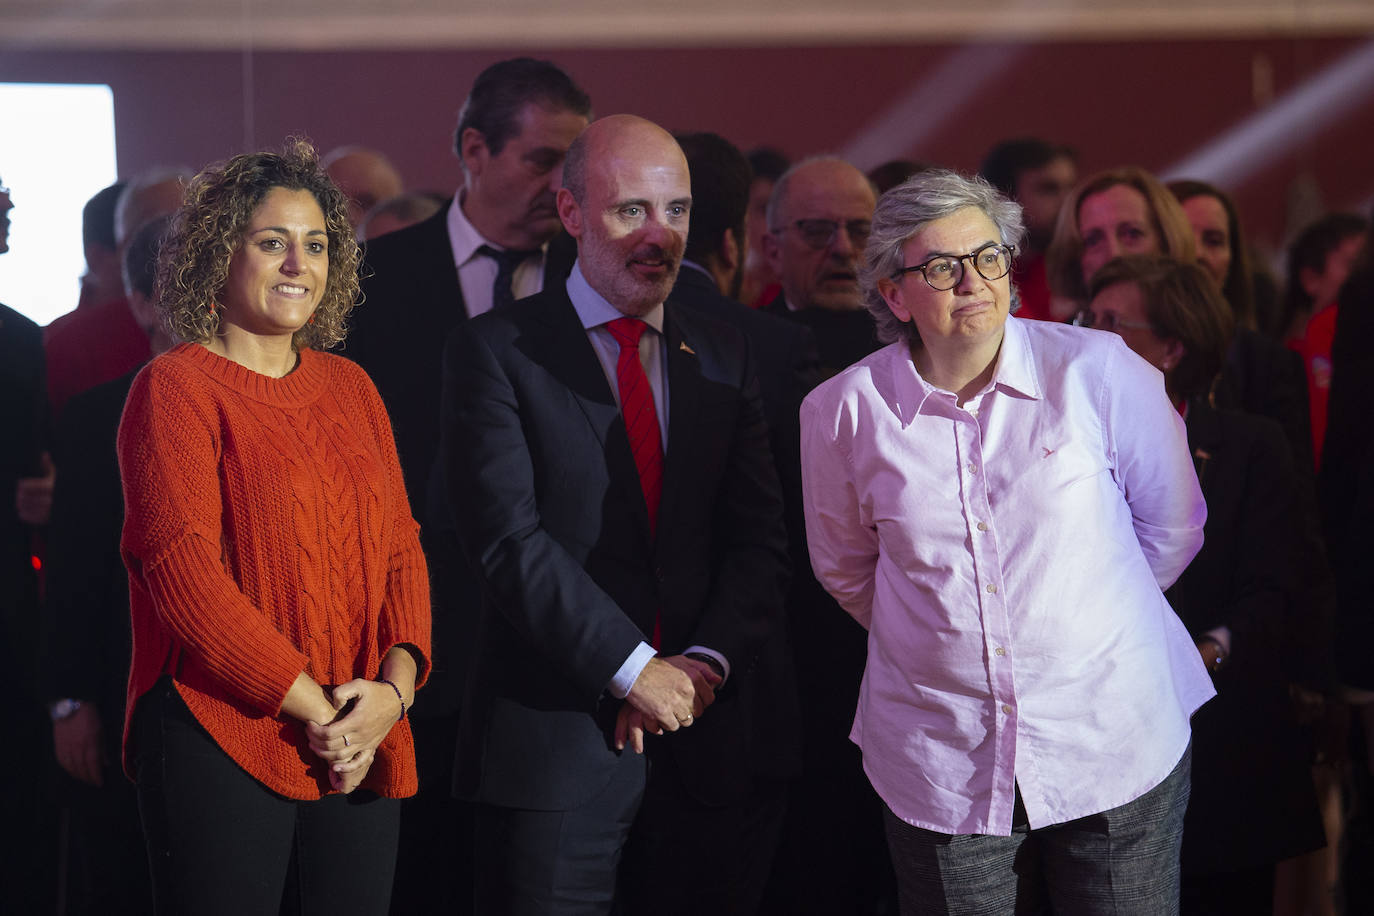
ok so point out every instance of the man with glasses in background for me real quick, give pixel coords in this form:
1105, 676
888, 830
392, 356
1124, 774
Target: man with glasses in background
818, 220
833, 857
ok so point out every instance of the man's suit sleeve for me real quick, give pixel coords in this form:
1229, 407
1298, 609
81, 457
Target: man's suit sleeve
745, 603
534, 583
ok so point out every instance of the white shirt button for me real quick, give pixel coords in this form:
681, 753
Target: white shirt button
999, 652
992, 589
1006, 709
982, 526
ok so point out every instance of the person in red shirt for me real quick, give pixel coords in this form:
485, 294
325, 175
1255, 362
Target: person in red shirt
103, 340
1038, 175
1319, 262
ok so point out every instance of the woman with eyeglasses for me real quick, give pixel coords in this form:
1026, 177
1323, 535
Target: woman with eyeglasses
1253, 802
1000, 503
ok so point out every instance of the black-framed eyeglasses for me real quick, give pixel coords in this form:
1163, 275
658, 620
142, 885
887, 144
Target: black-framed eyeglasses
1108, 321
946, 271
820, 233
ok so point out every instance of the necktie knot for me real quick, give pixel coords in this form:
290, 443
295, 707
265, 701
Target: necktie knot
508, 260
627, 331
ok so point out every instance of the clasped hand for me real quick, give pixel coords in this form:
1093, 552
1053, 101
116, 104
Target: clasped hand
349, 742
670, 693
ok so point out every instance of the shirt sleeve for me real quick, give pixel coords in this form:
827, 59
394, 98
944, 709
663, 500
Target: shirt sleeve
1148, 445
842, 545
169, 461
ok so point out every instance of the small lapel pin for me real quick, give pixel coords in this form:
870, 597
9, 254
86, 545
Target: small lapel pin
1202, 453
686, 349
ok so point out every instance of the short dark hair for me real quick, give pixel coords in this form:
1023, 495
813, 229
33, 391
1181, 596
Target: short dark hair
1309, 252
98, 217
1239, 288
139, 265
767, 162
1006, 161
500, 91
720, 192
1184, 303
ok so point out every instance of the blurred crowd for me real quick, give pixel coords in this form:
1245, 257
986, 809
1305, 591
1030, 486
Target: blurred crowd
1281, 816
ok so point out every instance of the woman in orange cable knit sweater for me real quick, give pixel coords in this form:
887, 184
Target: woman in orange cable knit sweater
279, 598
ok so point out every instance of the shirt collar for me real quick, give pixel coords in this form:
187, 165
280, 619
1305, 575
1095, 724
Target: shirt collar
1015, 368
592, 308
1015, 372
463, 235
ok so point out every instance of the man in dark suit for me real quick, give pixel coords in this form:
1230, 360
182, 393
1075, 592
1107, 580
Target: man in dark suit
88, 640
833, 858
818, 222
607, 460
785, 354
26, 873
494, 242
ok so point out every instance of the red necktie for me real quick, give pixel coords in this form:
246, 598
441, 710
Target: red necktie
641, 424
641, 419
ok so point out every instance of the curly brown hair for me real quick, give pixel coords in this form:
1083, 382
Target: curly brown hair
207, 232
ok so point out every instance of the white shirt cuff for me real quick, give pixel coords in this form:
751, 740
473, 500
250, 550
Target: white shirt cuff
629, 672
724, 665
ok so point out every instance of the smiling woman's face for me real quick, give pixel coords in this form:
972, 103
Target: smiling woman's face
278, 274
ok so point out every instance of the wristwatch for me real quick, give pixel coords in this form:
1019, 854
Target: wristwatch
63, 709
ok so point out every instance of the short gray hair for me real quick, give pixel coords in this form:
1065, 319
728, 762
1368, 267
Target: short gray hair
906, 210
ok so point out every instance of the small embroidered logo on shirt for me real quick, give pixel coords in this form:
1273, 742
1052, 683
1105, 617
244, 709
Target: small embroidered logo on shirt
1048, 452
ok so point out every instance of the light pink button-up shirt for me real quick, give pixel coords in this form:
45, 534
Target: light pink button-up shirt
1008, 559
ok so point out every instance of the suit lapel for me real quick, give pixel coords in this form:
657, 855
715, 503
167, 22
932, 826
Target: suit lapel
568, 355
685, 393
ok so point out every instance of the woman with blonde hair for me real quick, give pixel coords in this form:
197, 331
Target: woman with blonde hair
1127, 211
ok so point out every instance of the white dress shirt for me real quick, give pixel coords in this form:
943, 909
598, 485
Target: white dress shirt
477, 271
1008, 558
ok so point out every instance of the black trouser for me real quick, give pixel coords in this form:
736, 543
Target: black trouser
219, 842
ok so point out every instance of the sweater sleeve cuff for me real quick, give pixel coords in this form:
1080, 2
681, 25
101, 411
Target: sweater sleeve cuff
405, 618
